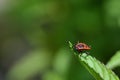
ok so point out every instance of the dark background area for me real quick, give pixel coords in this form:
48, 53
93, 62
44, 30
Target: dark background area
34, 37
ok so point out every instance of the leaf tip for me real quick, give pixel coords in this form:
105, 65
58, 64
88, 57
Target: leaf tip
70, 44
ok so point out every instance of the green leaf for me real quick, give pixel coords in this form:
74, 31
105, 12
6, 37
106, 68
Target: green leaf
70, 44
97, 69
114, 61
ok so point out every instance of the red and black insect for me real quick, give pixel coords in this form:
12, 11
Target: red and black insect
81, 47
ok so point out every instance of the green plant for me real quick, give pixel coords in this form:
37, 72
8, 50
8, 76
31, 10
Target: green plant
98, 70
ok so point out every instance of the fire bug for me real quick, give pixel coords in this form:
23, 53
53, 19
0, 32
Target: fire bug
82, 47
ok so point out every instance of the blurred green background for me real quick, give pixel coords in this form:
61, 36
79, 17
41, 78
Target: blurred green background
34, 37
